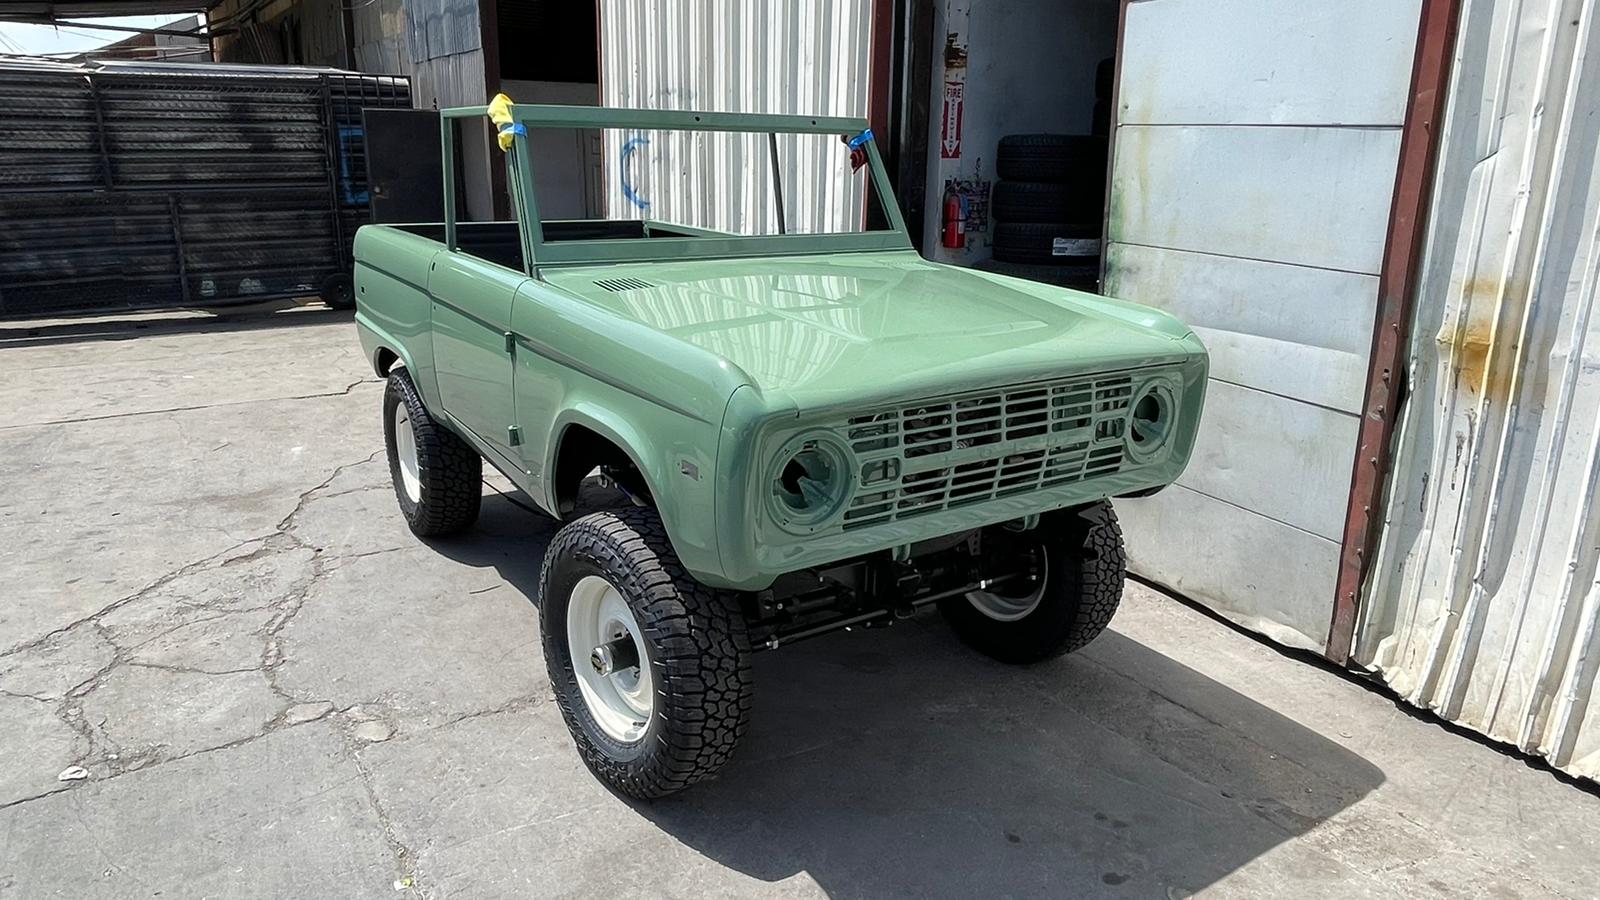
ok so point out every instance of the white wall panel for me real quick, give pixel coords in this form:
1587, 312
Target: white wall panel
1484, 602
1249, 568
1290, 330
1253, 172
1253, 62
1302, 195
1282, 458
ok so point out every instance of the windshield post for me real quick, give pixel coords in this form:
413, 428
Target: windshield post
777, 178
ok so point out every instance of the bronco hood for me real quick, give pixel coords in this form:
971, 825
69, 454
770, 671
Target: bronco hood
863, 327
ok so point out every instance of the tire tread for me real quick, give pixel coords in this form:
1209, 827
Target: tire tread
451, 471
698, 637
1086, 553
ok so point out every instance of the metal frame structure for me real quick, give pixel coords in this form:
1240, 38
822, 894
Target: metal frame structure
538, 252
134, 202
1397, 301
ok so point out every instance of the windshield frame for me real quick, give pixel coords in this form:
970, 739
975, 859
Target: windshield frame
539, 253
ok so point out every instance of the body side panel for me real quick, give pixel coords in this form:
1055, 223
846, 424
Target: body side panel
393, 311
472, 358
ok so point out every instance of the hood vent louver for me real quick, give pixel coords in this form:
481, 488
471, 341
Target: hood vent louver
619, 285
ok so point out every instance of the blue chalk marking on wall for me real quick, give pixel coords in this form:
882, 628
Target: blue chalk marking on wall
622, 166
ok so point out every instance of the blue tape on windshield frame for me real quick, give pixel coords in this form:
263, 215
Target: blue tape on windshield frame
862, 138
516, 128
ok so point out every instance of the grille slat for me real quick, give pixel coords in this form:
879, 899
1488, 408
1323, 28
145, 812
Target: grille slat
950, 452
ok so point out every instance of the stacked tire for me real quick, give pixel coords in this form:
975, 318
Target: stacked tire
1048, 206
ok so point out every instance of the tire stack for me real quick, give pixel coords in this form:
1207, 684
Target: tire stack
1049, 205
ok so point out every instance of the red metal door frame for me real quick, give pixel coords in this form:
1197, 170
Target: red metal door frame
1397, 300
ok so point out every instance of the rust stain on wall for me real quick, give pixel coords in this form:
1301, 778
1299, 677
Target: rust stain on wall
1487, 373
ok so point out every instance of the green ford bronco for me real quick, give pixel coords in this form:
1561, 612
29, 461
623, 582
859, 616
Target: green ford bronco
808, 427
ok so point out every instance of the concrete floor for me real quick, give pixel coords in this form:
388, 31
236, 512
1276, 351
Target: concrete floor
276, 690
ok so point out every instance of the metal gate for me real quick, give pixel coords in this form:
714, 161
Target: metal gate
136, 185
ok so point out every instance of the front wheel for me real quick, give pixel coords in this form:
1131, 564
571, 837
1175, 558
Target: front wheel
1066, 587
651, 669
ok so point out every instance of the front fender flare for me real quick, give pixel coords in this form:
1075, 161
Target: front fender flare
679, 476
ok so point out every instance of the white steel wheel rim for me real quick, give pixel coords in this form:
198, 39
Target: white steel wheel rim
405, 448
1011, 607
623, 701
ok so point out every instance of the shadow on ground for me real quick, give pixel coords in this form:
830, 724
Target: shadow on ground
117, 325
900, 763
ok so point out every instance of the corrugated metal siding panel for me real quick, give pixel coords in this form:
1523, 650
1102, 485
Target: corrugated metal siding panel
48, 138
801, 57
1484, 603
164, 131
1251, 184
440, 28
214, 182
379, 29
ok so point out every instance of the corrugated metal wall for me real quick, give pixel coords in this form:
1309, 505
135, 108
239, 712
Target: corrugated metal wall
379, 36
1252, 179
135, 185
1484, 604
772, 56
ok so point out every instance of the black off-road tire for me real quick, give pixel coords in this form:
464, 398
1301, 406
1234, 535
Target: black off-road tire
1058, 158
450, 471
338, 291
1085, 570
1035, 243
1041, 201
696, 645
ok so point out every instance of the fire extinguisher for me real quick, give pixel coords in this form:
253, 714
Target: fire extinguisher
954, 234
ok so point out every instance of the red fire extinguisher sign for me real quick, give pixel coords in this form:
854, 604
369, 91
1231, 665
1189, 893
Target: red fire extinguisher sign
950, 127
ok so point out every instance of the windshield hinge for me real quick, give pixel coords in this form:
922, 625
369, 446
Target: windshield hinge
513, 436
511, 342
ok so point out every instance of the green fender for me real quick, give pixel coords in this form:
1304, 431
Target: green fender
679, 471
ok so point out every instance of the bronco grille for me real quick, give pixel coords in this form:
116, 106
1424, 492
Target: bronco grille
944, 453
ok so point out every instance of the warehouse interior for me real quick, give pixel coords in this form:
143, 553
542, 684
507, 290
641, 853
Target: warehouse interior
1019, 67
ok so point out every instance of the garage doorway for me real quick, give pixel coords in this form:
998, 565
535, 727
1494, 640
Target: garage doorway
1018, 137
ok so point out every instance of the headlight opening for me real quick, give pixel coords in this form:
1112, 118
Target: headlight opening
810, 483
1150, 420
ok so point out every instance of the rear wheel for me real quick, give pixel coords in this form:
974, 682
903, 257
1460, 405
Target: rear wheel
338, 291
438, 477
1072, 567
650, 668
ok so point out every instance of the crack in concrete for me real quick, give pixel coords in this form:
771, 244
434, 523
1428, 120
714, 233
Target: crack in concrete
343, 392
114, 762
99, 748
287, 522
157, 584
11, 804
188, 670
405, 857
23, 696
